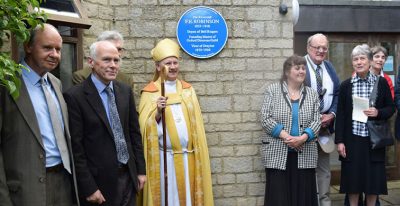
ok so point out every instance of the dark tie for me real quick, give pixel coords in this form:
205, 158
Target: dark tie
319, 87
57, 128
119, 138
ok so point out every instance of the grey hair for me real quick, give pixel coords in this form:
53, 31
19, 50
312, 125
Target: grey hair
92, 50
362, 49
377, 49
309, 40
110, 36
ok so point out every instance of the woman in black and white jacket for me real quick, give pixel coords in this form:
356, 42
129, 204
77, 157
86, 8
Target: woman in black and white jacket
291, 120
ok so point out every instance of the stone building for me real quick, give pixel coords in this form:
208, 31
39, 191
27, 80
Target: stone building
230, 85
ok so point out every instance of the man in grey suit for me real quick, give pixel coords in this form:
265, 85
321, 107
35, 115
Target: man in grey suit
36, 163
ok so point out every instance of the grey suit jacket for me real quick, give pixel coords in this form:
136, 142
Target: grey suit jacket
22, 154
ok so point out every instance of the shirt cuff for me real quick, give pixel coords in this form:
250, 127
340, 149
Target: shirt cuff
277, 130
310, 134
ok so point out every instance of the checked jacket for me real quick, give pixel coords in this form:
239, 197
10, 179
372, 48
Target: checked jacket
277, 109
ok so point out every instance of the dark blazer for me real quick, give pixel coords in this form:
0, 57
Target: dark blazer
397, 102
336, 83
22, 154
384, 104
93, 142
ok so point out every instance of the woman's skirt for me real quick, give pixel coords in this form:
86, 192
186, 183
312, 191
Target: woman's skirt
290, 187
360, 174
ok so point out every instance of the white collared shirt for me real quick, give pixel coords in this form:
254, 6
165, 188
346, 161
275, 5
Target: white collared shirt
327, 82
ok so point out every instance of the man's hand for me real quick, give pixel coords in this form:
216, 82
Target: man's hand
142, 179
96, 197
326, 119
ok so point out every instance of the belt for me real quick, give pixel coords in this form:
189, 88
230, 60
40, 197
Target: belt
55, 169
122, 168
183, 151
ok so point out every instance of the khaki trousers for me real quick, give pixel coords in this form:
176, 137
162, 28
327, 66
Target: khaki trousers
323, 171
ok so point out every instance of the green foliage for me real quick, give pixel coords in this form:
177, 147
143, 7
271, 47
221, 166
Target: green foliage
17, 17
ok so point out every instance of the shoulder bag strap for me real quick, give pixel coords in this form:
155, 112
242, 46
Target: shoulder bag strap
374, 93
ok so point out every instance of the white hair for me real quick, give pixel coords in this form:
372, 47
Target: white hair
110, 36
362, 49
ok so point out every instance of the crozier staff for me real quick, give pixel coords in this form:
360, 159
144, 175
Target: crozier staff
189, 175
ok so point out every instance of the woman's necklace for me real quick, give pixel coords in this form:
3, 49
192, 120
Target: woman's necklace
294, 94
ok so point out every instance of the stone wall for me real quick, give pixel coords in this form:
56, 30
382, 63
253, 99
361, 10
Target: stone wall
230, 85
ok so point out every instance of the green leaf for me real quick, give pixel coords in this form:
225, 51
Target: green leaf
14, 16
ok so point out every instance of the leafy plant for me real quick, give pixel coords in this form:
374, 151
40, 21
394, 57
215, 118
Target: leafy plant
17, 17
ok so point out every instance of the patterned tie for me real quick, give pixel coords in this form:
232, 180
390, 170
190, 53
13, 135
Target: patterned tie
57, 128
319, 87
119, 138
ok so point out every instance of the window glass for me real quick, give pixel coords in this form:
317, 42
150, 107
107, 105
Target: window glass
66, 67
340, 56
58, 5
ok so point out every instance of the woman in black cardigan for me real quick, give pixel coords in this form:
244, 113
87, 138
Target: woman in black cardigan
362, 168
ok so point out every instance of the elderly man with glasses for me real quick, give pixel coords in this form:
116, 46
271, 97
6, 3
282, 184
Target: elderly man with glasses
322, 77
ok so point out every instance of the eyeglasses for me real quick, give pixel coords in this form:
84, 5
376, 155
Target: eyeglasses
320, 48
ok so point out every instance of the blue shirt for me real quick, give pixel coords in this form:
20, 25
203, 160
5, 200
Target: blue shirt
295, 118
39, 103
295, 121
101, 89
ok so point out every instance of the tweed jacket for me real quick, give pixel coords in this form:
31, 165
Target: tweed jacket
22, 153
277, 109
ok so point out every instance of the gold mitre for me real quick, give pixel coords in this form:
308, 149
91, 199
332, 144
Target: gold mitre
165, 48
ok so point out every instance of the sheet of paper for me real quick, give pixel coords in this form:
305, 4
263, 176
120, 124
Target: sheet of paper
359, 105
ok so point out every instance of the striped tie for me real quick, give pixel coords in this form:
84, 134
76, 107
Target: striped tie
319, 87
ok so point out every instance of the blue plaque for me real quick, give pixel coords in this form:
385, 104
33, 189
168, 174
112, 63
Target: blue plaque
202, 32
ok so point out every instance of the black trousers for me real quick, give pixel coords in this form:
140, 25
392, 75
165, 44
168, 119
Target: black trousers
125, 194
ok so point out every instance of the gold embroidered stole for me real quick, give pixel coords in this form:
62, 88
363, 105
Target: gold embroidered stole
175, 98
